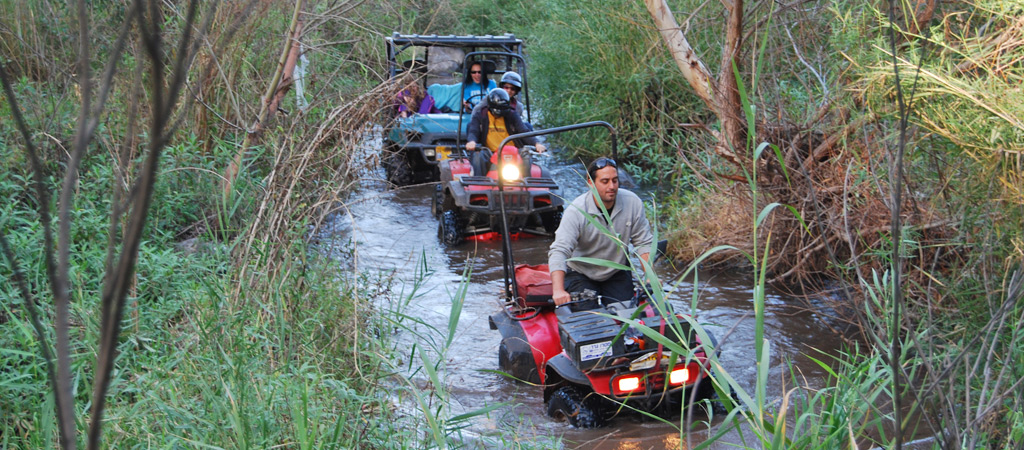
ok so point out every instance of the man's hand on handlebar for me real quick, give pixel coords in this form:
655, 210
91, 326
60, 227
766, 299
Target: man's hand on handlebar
541, 148
561, 297
471, 145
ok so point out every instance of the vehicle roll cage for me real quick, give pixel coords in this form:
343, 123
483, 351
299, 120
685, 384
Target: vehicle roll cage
398, 43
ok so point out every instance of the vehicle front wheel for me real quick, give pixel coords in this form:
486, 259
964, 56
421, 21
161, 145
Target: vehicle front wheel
551, 220
449, 230
515, 357
397, 169
570, 404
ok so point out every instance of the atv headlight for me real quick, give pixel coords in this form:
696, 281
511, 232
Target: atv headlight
510, 172
429, 152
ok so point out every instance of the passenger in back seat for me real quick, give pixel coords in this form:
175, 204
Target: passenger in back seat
413, 99
512, 83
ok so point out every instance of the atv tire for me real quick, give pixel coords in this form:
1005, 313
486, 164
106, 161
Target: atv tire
571, 404
551, 220
449, 229
707, 398
397, 168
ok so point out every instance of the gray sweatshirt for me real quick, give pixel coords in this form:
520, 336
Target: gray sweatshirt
577, 237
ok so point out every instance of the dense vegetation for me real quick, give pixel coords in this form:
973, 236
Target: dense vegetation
875, 120
236, 333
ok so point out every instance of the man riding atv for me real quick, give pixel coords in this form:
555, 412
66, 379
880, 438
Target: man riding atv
605, 345
492, 121
575, 237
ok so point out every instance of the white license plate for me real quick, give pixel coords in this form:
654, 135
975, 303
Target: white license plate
594, 351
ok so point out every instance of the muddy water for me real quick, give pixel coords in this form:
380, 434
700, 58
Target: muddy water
394, 232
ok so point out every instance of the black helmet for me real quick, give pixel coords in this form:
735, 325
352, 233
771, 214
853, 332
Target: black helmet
498, 102
513, 79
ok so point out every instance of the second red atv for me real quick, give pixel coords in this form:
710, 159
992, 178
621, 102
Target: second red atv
468, 205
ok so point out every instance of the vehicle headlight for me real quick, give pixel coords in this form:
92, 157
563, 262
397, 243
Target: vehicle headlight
429, 152
510, 172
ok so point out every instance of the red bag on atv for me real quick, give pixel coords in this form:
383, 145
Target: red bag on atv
534, 285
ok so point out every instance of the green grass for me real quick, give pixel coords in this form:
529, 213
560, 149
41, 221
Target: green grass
199, 369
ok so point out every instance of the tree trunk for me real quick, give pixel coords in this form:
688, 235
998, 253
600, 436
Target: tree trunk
696, 74
722, 97
728, 106
281, 80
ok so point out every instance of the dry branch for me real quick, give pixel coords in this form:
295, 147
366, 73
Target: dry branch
314, 166
266, 101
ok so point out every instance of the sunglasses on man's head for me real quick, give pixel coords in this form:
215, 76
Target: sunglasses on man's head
605, 162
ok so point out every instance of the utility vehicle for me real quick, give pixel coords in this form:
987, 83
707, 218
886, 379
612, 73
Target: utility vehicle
415, 145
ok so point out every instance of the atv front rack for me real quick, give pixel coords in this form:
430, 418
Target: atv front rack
528, 182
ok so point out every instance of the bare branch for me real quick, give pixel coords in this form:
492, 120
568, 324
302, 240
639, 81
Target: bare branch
235, 166
693, 69
61, 395
119, 279
818, 76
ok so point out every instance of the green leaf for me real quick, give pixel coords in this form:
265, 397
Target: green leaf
760, 149
600, 262
764, 213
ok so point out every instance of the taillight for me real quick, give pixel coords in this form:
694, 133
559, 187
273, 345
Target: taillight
628, 384
679, 376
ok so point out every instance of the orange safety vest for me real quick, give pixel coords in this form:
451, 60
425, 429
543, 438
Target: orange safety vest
496, 131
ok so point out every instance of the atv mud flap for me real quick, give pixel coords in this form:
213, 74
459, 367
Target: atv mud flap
562, 365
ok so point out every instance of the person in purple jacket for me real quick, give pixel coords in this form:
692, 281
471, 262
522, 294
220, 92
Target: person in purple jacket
413, 99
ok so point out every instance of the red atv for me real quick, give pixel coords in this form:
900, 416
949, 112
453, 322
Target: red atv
468, 204
590, 355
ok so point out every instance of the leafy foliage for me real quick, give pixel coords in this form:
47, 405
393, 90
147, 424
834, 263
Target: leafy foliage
204, 360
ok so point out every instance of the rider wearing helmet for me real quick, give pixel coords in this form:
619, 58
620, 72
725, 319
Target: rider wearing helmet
512, 83
492, 121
